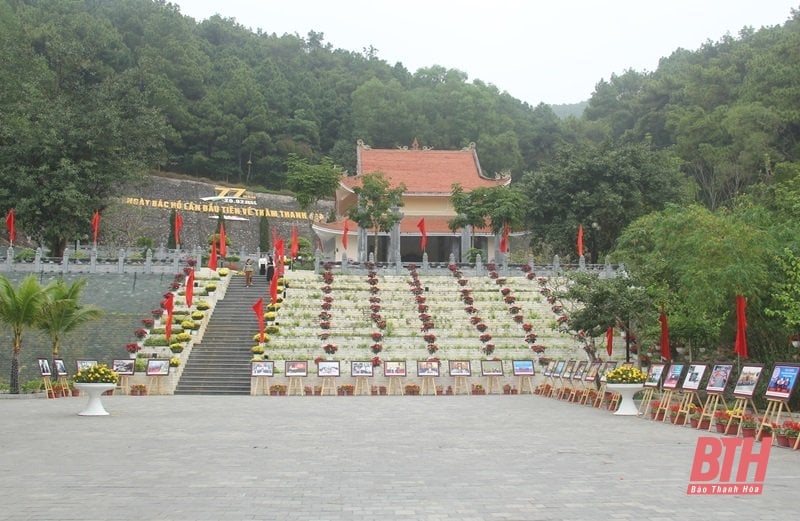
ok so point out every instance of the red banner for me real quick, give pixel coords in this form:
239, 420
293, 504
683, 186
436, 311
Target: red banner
344, 235
423, 242
212, 260
178, 228
295, 245
258, 309
95, 226
190, 287
273, 285
504, 239
580, 241
609, 340
168, 305
223, 241
11, 225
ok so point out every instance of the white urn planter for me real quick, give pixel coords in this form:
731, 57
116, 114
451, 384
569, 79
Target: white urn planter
94, 407
627, 407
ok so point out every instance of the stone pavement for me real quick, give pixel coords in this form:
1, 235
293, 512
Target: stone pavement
357, 458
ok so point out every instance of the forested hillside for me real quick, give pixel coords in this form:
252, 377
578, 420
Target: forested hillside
96, 92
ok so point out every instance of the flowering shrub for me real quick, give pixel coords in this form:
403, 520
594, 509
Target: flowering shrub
376, 361
140, 333
505, 291
422, 308
326, 289
377, 336
488, 349
376, 348
510, 299
326, 305
530, 276
538, 349
430, 338
203, 305
325, 324
374, 289
518, 319
485, 337
626, 375
148, 322
324, 315
175, 361
157, 313
96, 374
470, 309
432, 348
480, 326
527, 327
330, 348
133, 347
324, 335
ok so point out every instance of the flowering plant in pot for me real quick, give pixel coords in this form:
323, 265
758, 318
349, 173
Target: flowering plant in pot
626, 375
488, 349
140, 333
376, 348
148, 322
132, 347
96, 374
330, 348
432, 348
177, 347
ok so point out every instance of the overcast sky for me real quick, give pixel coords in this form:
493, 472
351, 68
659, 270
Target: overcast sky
551, 51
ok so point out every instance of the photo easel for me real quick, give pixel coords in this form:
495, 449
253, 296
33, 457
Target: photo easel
647, 399
296, 386
601, 396
124, 388
687, 400
257, 384
328, 386
428, 386
492, 385
772, 414
664, 403
395, 386
460, 385
154, 384
362, 386
710, 406
524, 382
47, 385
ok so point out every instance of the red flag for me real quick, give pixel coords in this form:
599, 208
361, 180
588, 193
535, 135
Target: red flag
258, 309
169, 306
344, 235
665, 352
504, 239
423, 241
95, 225
295, 245
279, 267
741, 327
609, 339
190, 287
280, 252
10, 224
178, 227
212, 260
580, 241
273, 286
223, 242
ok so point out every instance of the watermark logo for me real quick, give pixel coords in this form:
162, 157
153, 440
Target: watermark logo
714, 463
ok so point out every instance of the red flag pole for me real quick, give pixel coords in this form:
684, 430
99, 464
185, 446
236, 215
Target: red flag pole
258, 309
11, 225
609, 340
580, 240
189, 288
666, 354
223, 241
178, 228
295, 246
345, 231
95, 225
169, 306
423, 242
212, 260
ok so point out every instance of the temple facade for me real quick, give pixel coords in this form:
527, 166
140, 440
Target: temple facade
428, 176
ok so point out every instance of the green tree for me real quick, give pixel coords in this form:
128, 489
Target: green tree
311, 183
376, 199
19, 310
62, 313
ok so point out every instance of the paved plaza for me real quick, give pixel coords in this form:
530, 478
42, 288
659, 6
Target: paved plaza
357, 458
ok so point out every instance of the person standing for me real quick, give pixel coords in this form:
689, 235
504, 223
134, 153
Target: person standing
248, 272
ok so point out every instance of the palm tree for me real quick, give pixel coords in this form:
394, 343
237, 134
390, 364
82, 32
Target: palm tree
19, 309
60, 312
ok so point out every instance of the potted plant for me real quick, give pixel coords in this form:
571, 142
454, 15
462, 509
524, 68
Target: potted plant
749, 426
95, 380
138, 390
507, 389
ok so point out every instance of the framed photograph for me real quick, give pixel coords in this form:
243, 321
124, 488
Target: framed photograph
361, 368
328, 368
123, 366
297, 368
558, 369
491, 367
577, 375
157, 367
674, 373
694, 375
61, 367
568, 369
551, 366
83, 364
523, 367
427, 368
718, 378
262, 368
748, 379
592, 372
605, 368
394, 368
459, 368
654, 375
782, 382
44, 367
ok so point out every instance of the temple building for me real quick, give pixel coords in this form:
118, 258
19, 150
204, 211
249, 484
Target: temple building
429, 176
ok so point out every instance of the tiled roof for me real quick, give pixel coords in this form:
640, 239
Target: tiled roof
434, 225
423, 171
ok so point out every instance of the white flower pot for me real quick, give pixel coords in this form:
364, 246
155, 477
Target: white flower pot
94, 407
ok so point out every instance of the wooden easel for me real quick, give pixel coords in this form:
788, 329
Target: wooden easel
328, 386
492, 385
601, 396
295, 386
647, 399
710, 406
523, 382
362, 386
738, 411
428, 386
257, 385
154, 384
664, 403
460, 385
772, 414
47, 385
124, 388
688, 399
395, 387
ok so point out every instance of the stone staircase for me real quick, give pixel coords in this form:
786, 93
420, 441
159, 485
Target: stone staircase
220, 364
